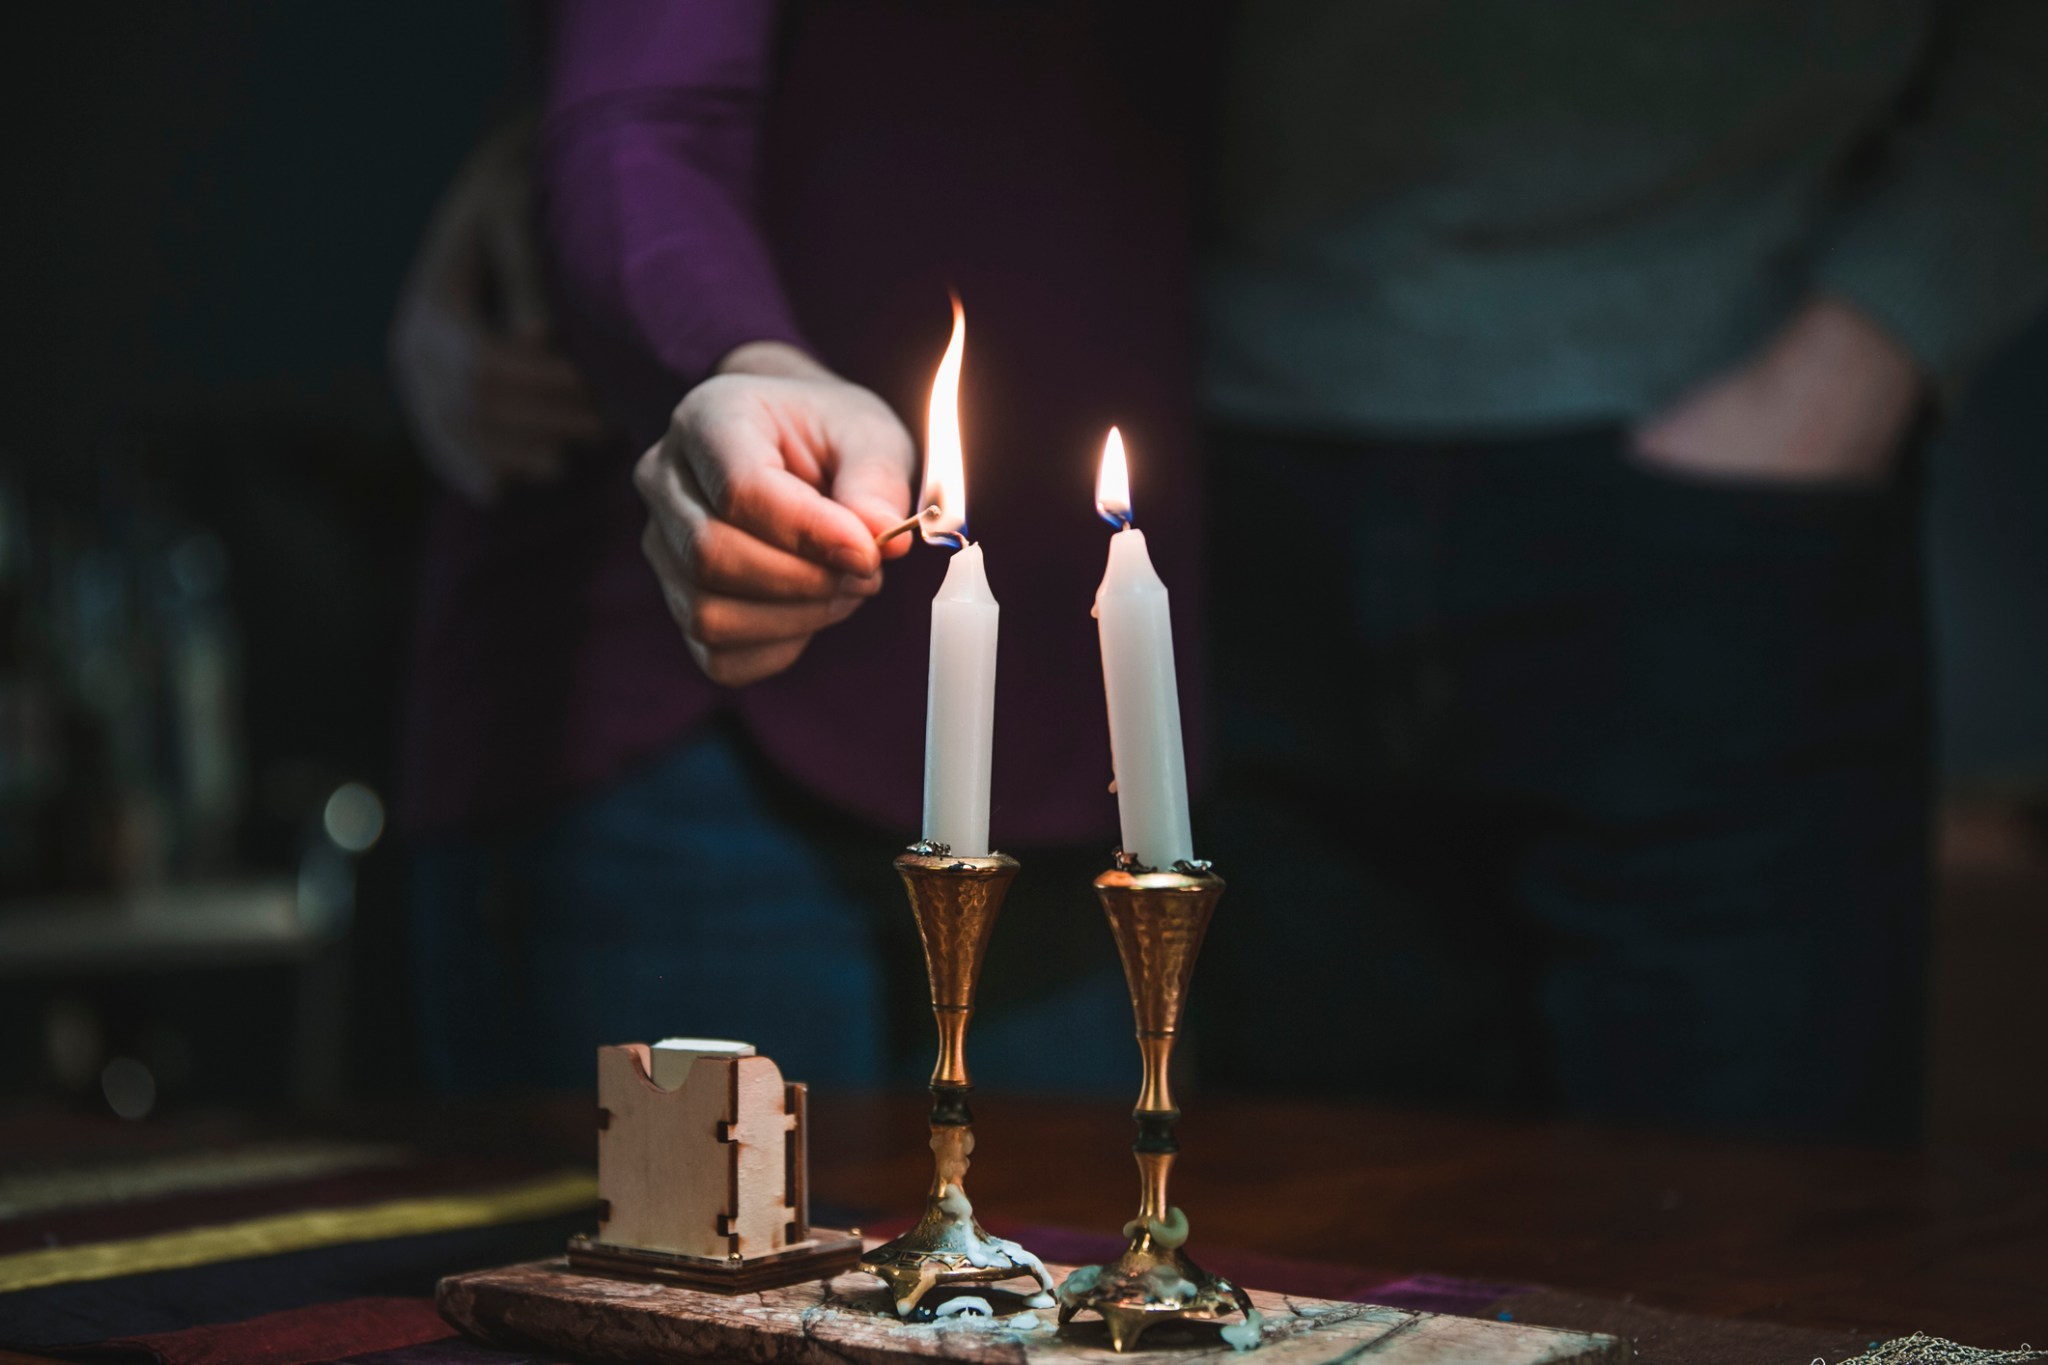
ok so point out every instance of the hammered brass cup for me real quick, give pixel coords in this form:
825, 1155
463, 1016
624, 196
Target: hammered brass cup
1158, 919
956, 901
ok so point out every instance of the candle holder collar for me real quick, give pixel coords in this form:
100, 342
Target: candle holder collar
1196, 868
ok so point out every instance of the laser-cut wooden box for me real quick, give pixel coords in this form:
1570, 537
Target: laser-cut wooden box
702, 1171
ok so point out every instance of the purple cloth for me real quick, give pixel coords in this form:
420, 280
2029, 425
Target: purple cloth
708, 179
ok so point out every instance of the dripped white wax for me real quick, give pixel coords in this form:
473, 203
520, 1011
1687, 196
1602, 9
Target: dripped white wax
960, 707
1144, 705
1246, 1335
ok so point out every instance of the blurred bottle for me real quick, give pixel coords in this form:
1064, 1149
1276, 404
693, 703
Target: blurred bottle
29, 751
122, 760
202, 672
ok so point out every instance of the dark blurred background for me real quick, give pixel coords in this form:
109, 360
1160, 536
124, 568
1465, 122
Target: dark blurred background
208, 524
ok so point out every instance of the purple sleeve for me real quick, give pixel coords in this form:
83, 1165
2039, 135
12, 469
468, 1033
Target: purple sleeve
647, 169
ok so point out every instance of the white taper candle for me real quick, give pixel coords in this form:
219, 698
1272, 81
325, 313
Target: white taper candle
1136, 629
960, 708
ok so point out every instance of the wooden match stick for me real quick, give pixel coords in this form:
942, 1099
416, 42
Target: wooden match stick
910, 525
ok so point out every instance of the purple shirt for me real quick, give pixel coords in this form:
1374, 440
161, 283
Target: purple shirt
712, 174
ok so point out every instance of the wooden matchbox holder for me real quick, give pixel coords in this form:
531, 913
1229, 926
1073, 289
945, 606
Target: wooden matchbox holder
703, 1181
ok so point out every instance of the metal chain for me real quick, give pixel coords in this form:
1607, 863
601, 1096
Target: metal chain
1921, 1349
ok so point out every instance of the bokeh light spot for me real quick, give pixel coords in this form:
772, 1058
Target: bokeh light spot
129, 1087
354, 817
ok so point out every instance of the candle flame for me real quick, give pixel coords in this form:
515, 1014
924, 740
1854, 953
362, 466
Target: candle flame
1113, 482
944, 521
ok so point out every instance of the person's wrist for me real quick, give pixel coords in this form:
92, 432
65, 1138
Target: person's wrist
1828, 400
1868, 384
1844, 335
773, 359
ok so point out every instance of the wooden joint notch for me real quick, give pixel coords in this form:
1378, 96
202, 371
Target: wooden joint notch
796, 1160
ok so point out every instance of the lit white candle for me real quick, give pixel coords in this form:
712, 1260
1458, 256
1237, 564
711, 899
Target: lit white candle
960, 696
960, 706
1138, 675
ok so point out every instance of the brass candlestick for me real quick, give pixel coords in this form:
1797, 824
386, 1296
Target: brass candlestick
1158, 919
955, 901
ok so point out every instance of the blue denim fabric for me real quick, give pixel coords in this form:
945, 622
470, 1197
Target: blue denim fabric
701, 896
676, 902
1550, 781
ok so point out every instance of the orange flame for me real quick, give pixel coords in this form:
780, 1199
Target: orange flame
945, 469
1113, 482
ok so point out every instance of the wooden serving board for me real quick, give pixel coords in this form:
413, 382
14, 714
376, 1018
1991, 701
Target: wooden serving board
846, 1321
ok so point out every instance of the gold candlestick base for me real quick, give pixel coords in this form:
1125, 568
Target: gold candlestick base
947, 1246
1159, 919
1153, 1282
956, 901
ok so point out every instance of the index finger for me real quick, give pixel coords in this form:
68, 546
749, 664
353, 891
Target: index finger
738, 463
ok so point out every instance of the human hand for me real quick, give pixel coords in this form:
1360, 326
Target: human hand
489, 397
1827, 402
764, 498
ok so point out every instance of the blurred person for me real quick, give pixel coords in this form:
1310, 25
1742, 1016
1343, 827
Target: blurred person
1568, 371
1565, 376
663, 744
489, 395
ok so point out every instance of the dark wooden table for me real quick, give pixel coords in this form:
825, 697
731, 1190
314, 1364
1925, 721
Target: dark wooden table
1700, 1250
1953, 1242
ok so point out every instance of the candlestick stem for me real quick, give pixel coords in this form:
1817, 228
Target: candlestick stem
1153, 1168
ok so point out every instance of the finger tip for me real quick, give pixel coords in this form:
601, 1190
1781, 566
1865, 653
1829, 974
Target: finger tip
861, 559
860, 585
